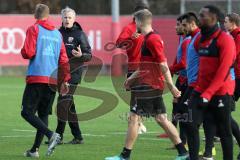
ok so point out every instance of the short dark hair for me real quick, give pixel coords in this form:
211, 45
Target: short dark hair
214, 10
190, 17
234, 18
179, 18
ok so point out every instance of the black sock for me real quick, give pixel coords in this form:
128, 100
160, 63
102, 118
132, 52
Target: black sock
126, 153
181, 149
32, 150
39, 135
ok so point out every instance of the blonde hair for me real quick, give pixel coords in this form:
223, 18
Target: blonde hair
41, 11
142, 15
66, 10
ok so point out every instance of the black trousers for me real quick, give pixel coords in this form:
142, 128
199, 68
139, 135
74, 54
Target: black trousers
237, 90
66, 111
177, 111
210, 131
220, 109
38, 98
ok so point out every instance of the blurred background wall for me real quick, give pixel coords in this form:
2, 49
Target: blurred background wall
95, 17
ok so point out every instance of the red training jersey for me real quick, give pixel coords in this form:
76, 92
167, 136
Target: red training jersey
131, 44
217, 55
152, 55
236, 35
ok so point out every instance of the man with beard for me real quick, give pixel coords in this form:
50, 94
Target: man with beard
179, 68
213, 93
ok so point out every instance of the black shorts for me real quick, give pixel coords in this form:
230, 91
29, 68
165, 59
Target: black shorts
149, 101
237, 90
38, 98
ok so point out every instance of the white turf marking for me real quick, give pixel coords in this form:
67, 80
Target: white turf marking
123, 133
21, 130
88, 135
155, 139
18, 136
92, 135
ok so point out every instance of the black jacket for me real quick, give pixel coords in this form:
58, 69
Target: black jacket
73, 37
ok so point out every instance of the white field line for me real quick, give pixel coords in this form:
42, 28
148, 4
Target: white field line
22, 130
86, 134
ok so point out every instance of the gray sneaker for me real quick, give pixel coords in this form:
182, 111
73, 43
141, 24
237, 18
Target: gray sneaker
28, 153
55, 139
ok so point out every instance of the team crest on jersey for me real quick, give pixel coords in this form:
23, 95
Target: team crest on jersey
70, 39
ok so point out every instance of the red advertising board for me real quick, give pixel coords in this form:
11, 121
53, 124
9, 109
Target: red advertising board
98, 29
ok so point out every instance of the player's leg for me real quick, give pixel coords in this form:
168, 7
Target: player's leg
195, 114
235, 130
237, 90
174, 112
181, 112
44, 108
209, 127
184, 115
159, 112
175, 106
222, 116
31, 99
133, 124
74, 125
235, 126
33, 95
142, 129
63, 105
132, 134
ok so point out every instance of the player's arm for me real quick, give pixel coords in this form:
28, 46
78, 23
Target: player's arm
168, 78
63, 71
29, 48
126, 38
130, 80
64, 64
227, 53
156, 47
237, 42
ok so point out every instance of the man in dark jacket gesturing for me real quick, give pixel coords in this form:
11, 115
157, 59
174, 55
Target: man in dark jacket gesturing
78, 51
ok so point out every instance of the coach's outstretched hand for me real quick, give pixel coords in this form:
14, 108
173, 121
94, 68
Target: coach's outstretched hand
64, 88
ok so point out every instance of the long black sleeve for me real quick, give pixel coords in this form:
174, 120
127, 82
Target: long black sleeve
85, 48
